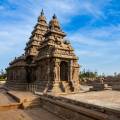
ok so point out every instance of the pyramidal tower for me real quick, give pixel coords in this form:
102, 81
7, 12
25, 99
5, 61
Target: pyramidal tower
49, 63
36, 38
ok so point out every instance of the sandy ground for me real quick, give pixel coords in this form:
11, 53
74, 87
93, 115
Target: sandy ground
29, 114
106, 98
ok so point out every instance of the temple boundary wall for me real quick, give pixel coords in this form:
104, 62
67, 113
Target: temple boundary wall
74, 110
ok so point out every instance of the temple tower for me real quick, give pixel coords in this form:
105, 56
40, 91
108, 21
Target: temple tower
31, 50
37, 36
57, 70
49, 62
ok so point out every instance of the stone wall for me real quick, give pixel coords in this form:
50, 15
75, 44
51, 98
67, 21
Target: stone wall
116, 86
16, 86
74, 110
18, 74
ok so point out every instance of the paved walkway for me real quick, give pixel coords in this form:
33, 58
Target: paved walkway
23, 96
5, 99
106, 98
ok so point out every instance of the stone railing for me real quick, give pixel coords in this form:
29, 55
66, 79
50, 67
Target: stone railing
15, 86
32, 87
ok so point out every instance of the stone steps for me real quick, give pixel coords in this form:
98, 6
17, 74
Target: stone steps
26, 99
7, 102
10, 106
66, 86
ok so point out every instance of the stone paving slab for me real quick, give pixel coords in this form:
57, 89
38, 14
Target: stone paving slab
107, 98
5, 99
29, 114
22, 96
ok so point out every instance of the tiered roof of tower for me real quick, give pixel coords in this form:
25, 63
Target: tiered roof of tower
47, 40
54, 44
54, 26
37, 36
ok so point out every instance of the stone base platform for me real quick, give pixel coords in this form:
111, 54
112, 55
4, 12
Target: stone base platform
74, 109
7, 102
27, 99
11, 103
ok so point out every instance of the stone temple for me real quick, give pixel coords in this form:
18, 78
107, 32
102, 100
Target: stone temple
48, 64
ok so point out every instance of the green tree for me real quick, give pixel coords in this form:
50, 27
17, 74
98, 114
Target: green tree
2, 74
88, 74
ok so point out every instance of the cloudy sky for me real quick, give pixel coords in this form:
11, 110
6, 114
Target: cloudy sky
92, 26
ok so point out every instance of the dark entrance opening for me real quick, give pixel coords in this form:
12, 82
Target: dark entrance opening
64, 71
28, 75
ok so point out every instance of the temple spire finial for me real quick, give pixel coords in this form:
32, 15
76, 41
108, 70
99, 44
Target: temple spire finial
42, 12
54, 16
42, 17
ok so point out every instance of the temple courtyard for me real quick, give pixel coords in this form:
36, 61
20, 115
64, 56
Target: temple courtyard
106, 98
10, 106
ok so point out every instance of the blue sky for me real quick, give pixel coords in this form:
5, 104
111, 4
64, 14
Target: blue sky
92, 26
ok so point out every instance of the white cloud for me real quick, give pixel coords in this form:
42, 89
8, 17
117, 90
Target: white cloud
98, 48
100, 37
87, 53
64, 9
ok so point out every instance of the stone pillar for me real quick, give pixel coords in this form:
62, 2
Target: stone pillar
48, 72
56, 72
70, 70
58, 66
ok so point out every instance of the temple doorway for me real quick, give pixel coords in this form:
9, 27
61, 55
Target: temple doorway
64, 71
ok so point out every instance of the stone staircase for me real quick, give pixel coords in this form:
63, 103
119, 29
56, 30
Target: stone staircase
7, 102
65, 86
10, 106
31, 104
26, 99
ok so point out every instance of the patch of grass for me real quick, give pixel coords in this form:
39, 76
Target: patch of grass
2, 79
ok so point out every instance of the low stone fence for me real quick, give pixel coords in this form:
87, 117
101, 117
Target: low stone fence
69, 109
22, 86
116, 86
97, 87
32, 87
16, 86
